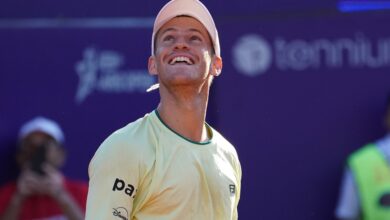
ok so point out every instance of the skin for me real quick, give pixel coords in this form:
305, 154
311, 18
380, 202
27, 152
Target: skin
184, 88
51, 184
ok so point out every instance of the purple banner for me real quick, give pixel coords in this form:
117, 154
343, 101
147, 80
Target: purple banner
296, 96
92, 81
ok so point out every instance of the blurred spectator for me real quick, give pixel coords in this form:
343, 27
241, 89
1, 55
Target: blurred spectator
41, 192
365, 189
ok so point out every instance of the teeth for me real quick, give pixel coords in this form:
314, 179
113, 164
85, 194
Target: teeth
181, 59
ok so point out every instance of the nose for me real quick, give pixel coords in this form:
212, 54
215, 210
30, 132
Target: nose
181, 44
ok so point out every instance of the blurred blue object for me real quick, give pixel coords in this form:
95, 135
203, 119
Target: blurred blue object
352, 6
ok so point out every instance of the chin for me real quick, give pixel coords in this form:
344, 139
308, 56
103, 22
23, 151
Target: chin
181, 81
183, 75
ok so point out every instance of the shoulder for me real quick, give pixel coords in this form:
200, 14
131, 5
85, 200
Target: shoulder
6, 192
75, 185
126, 146
367, 156
226, 148
228, 151
363, 151
8, 187
78, 190
223, 144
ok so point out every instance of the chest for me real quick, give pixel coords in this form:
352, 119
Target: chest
200, 179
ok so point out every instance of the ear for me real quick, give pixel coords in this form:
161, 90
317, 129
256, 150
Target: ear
216, 66
152, 66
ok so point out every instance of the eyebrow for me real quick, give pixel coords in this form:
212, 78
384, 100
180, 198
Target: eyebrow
166, 30
174, 29
195, 30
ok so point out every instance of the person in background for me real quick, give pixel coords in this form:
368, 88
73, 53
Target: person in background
365, 188
41, 191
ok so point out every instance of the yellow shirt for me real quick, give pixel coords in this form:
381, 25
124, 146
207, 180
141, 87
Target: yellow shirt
146, 171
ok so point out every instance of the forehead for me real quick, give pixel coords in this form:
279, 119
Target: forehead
36, 138
183, 23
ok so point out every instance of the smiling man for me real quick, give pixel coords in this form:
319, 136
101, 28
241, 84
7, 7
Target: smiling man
171, 164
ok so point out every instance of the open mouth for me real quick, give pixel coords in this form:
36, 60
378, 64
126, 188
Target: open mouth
181, 59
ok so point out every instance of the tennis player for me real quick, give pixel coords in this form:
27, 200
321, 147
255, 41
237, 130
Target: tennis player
171, 164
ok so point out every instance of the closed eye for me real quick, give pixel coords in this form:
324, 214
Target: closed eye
195, 38
168, 38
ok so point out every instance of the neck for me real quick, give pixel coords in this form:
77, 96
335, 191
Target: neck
185, 112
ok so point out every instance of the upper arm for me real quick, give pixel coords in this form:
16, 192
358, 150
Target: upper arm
113, 182
348, 206
238, 195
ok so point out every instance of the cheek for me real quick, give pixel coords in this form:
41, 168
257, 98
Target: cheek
159, 57
206, 58
27, 153
161, 49
53, 155
24, 158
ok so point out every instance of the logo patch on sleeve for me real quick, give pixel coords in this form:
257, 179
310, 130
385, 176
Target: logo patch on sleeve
121, 213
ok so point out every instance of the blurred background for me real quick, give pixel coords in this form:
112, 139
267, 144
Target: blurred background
304, 84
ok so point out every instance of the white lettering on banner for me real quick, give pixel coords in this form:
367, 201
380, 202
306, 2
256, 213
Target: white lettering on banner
100, 70
300, 55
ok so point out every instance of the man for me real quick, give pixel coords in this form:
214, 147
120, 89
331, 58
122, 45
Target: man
170, 164
41, 191
365, 189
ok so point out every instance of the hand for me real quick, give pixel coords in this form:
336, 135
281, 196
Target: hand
53, 182
29, 183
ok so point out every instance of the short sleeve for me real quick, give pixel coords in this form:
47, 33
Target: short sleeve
113, 181
239, 177
348, 205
